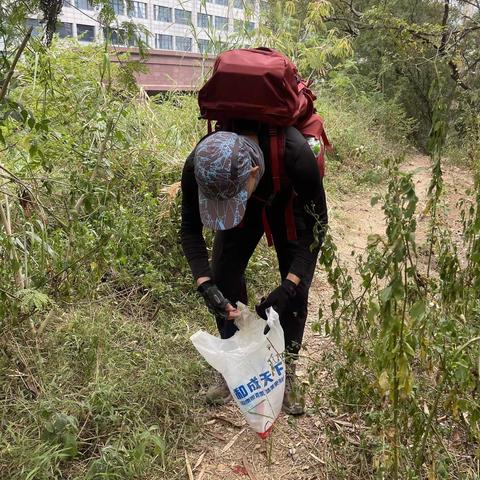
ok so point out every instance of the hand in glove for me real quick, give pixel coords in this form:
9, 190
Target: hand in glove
278, 299
216, 302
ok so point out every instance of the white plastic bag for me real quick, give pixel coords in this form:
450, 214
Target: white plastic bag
252, 364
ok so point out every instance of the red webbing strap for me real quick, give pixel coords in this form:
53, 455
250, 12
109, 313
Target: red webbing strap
275, 159
326, 142
210, 129
266, 227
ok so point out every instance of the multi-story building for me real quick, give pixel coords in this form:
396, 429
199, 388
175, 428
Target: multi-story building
178, 25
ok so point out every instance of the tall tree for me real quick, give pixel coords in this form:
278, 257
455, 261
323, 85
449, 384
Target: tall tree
408, 46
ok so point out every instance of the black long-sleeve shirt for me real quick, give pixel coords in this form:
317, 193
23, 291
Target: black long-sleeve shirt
301, 169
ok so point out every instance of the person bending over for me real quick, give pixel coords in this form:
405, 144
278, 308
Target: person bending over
227, 186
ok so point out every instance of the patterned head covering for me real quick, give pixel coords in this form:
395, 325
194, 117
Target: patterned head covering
223, 162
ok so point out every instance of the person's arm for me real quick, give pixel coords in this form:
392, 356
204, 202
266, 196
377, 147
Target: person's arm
310, 207
193, 243
194, 247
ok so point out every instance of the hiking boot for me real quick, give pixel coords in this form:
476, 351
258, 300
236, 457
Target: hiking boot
294, 399
218, 393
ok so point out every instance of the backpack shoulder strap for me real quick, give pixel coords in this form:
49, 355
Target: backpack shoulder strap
280, 179
277, 151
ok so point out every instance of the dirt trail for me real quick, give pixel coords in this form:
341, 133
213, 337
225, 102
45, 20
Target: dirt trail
227, 449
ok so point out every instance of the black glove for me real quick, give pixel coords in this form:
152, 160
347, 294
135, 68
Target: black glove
214, 299
278, 299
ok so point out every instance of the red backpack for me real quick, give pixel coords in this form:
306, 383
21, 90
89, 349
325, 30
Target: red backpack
262, 84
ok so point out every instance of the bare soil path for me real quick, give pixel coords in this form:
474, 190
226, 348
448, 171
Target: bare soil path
299, 448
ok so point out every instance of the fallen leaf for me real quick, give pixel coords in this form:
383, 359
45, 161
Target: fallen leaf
199, 461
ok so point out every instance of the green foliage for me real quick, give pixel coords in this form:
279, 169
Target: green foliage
364, 128
404, 46
93, 147
409, 336
90, 212
298, 30
99, 379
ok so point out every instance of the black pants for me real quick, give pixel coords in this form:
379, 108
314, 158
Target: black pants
232, 250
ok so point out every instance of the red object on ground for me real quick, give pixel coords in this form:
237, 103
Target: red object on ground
266, 433
239, 470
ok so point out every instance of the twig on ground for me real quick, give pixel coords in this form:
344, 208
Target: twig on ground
188, 467
202, 473
232, 441
217, 436
316, 458
249, 468
227, 420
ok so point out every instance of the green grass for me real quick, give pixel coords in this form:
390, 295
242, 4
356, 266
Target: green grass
100, 392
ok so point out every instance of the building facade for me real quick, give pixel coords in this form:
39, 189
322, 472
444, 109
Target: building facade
175, 25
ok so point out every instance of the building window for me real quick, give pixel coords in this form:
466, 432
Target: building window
162, 14
65, 30
86, 33
163, 42
221, 2
204, 20
83, 4
183, 16
138, 10
183, 44
204, 46
240, 25
119, 37
117, 6
115, 37
37, 26
221, 23
245, 4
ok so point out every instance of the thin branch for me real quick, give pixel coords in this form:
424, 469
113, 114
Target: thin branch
443, 41
103, 146
9, 76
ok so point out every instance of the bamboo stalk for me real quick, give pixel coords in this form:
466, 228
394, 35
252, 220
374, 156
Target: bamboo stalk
6, 222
